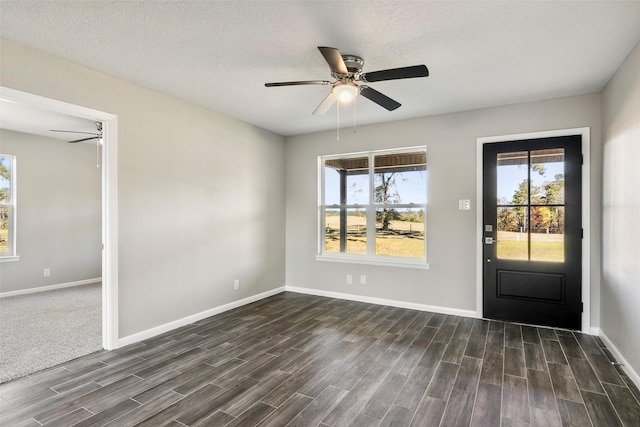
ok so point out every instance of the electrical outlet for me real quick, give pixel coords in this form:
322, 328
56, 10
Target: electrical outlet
363, 279
236, 284
349, 279
47, 272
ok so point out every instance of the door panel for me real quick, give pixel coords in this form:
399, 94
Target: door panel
533, 232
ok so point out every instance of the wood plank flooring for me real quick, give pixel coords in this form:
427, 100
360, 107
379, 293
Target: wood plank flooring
300, 360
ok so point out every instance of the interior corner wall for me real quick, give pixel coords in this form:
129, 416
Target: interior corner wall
620, 300
450, 283
200, 195
58, 215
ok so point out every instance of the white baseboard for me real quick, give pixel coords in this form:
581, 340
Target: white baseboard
49, 288
383, 301
152, 332
616, 353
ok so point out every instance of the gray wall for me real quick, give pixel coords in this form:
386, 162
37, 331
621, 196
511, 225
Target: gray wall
200, 195
621, 210
451, 175
59, 214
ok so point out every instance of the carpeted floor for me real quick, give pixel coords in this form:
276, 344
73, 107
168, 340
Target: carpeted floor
47, 328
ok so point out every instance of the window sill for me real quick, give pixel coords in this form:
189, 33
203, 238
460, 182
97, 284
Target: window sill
13, 258
387, 262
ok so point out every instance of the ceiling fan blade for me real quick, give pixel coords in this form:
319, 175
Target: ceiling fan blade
300, 83
379, 98
396, 73
83, 139
74, 131
334, 59
325, 105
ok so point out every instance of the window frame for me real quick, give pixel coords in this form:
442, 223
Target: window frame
370, 208
12, 208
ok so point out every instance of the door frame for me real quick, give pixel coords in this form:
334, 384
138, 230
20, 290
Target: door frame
109, 189
585, 133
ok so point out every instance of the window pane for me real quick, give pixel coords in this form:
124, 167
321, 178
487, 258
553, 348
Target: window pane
547, 234
353, 173
400, 178
512, 236
332, 230
547, 177
356, 231
400, 232
358, 189
4, 230
5, 179
331, 186
512, 178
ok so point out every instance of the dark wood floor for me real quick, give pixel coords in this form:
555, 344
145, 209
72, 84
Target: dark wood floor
301, 360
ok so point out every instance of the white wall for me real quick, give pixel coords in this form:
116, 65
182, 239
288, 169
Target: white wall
450, 282
621, 211
59, 213
200, 195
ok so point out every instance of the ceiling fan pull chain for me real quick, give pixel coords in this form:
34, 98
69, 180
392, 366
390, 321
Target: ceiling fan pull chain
338, 121
354, 114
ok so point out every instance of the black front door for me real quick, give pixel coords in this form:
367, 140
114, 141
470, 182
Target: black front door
532, 231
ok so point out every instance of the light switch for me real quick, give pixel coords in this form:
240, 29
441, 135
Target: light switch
464, 205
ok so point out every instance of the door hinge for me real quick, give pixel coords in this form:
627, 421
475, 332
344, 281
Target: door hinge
582, 159
581, 307
582, 233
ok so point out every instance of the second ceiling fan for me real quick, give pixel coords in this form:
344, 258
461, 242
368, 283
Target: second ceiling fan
347, 70
95, 135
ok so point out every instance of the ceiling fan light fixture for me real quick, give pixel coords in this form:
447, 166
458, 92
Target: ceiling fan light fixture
345, 92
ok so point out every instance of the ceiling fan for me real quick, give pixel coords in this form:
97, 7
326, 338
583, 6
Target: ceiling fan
96, 135
347, 70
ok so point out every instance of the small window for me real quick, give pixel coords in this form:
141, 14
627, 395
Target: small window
7, 208
372, 207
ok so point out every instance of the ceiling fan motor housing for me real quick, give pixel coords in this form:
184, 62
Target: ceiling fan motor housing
353, 63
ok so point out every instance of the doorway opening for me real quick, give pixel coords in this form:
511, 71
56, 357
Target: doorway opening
108, 165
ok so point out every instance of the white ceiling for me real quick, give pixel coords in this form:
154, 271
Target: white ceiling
219, 54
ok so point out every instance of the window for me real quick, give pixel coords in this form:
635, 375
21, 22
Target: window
531, 205
7, 208
372, 207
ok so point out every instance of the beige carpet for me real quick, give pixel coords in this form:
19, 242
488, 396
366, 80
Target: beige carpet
44, 329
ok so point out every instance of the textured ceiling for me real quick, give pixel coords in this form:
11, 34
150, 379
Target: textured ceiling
219, 54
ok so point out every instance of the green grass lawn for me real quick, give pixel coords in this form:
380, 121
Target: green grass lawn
540, 251
405, 239
400, 246
389, 245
